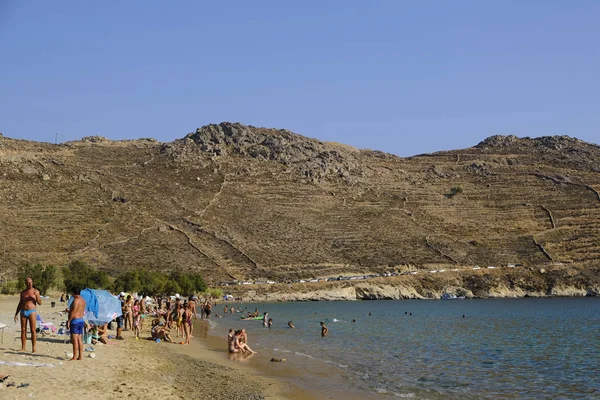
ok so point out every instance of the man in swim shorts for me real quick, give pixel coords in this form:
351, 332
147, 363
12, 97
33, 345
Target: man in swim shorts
76, 324
26, 308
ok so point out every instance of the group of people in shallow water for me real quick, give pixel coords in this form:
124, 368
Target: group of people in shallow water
237, 340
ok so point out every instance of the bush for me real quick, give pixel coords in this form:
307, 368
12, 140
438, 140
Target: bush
43, 277
453, 191
215, 293
9, 287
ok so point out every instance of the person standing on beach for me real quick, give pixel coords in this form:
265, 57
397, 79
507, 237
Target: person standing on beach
26, 307
187, 323
128, 313
324, 330
76, 324
192, 305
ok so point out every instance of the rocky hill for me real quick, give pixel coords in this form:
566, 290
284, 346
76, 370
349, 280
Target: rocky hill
238, 202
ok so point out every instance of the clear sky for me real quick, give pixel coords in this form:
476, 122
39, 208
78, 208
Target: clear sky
407, 77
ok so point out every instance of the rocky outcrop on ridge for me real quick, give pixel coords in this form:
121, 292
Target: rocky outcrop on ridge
310, 157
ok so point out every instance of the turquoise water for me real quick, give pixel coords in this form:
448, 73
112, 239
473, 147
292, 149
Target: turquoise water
509, 348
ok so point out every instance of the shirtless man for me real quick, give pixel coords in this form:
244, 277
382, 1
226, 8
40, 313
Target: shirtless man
26, 307
76, 324
324, 330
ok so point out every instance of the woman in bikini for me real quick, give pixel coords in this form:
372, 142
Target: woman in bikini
127, 309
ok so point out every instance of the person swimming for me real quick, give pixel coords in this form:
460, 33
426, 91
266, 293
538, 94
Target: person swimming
291, 325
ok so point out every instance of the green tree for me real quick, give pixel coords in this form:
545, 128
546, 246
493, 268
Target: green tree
150, 283
79, 275
43, 277
199, 284
184, 282
172, 287
127, 282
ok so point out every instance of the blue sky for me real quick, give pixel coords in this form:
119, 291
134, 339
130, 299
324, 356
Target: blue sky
407, 77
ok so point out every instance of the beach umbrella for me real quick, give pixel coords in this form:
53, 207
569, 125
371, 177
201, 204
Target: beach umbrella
100, 306
109, 307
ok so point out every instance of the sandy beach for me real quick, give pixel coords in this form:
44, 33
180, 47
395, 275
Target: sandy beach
136, 369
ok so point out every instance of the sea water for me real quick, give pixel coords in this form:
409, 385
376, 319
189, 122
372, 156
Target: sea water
454, 349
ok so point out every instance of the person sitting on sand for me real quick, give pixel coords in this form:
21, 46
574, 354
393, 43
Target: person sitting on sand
243, 347
26, 308
243, 336
164, 333
156, 326
231, 341
324, 330
99, 333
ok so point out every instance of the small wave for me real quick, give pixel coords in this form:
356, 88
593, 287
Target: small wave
342, 366
337, 320
304, 355
212, 324
277, 349
405, 395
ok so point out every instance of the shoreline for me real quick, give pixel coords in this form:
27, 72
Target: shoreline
549, 282
297, 379
136, 369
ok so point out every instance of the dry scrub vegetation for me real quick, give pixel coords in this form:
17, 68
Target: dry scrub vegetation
238, 202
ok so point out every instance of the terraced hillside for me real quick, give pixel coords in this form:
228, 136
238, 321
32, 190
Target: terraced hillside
238, 202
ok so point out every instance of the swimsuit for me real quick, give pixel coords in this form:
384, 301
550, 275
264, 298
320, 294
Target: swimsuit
27, 313
77, 326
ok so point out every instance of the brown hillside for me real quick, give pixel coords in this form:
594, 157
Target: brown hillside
235, 201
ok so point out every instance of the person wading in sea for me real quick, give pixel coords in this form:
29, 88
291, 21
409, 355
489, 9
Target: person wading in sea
26, 307
324, 330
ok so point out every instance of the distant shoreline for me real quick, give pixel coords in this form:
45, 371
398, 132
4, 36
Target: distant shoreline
522, 282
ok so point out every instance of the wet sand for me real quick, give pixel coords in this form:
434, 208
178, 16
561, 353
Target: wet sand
299, 378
